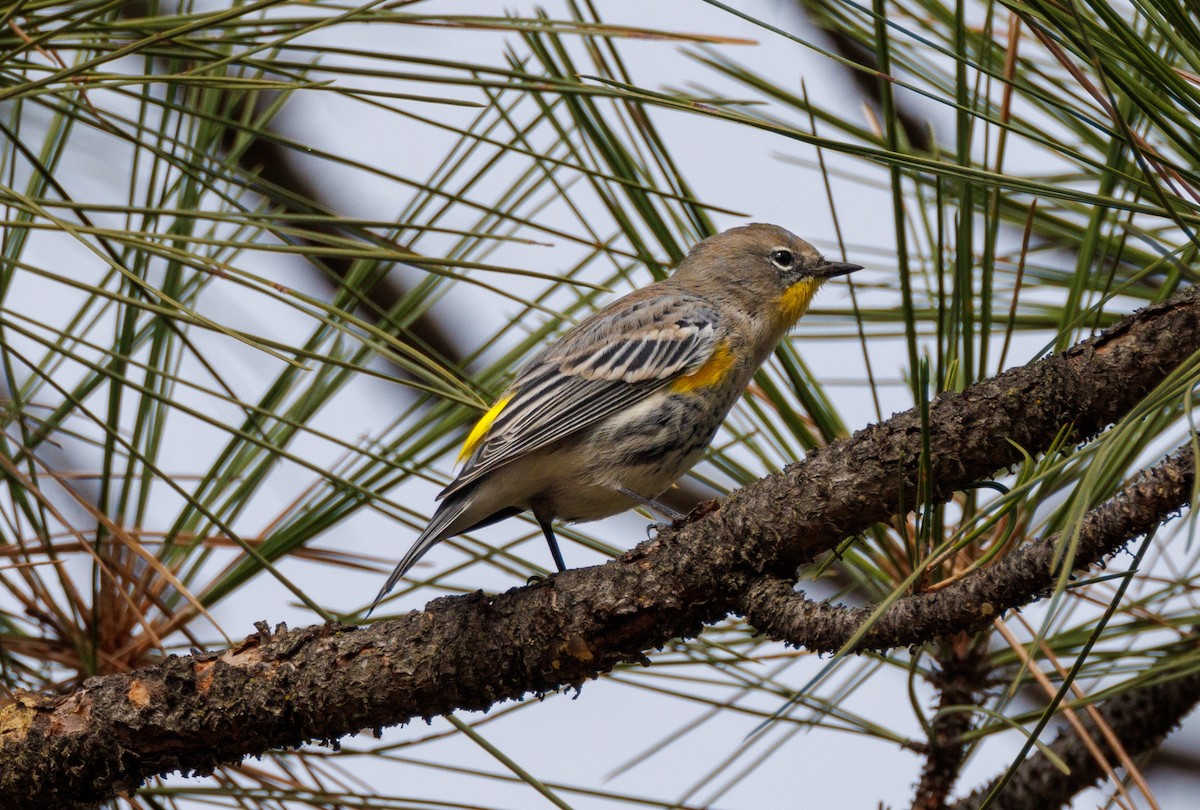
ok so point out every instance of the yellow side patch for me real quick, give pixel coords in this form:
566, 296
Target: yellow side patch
481, 427
795, 300
712, 372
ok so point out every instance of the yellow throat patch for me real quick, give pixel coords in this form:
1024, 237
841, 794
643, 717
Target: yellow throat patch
481, 427
796, 298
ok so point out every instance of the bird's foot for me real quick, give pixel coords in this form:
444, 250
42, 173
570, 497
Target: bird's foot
653, 530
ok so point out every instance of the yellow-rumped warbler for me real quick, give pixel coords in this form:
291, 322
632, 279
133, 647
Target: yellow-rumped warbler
610, 414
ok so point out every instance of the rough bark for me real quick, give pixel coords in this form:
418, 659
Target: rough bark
468, 652
960, 682
774, 607
1140, 719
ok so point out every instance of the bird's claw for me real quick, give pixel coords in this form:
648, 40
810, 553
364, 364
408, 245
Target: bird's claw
653, 530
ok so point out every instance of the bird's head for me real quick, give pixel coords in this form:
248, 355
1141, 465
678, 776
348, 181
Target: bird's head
768, 269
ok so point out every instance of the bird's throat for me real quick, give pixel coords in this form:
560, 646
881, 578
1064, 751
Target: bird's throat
795, 300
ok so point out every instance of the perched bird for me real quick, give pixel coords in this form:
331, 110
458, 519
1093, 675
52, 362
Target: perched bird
612, 413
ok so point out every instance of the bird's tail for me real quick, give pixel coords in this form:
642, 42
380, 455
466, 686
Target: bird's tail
438, 529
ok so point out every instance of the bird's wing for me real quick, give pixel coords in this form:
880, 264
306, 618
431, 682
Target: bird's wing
607, 363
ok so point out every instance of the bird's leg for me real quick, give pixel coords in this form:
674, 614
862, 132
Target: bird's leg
664, 510
551, 541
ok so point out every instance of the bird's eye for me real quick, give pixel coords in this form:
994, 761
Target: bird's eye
782, 258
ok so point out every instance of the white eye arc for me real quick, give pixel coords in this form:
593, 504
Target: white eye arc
782, 258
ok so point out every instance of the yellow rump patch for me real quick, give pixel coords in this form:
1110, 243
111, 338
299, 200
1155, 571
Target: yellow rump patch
795, 300
712, 372
481, 427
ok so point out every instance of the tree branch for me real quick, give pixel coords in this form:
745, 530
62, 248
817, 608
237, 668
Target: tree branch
773, 607
963, 677
468, 652
1139, 718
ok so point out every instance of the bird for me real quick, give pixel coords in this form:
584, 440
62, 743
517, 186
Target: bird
613, 412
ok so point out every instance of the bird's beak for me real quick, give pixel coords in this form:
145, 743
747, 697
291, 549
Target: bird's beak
831, 269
